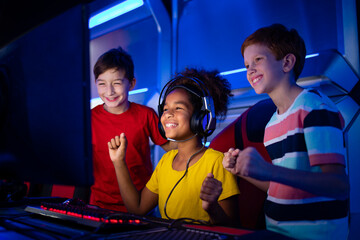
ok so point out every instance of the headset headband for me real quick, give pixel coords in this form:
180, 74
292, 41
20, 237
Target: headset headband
207, 109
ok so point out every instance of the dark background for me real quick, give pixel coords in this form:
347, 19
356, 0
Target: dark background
18, 17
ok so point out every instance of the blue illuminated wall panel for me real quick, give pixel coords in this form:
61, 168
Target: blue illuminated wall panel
211, 32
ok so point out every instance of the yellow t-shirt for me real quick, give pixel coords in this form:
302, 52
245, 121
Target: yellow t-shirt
185, 200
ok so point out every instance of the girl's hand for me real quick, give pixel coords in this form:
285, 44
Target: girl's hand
229, 160
117, 149
210, 192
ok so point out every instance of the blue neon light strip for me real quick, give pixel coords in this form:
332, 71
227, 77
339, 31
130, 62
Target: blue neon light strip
244, 69
114, 12
141, 90
312, 55
233, 71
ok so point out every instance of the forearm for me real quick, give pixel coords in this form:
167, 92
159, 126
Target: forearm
262, 185
224, 212
128, 191
218, 216
131, 197
327, 184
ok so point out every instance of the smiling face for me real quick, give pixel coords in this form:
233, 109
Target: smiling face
113, 88
176, 115
264, 72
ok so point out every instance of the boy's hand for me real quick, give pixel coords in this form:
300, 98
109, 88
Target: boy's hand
117, 149
229, 160
210, 192
250, 163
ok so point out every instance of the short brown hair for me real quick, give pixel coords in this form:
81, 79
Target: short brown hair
116, 58
281, 42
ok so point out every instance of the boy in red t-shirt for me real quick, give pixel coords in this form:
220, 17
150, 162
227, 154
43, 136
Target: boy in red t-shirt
114, 77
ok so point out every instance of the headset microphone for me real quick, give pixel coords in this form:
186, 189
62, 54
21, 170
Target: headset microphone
173, 140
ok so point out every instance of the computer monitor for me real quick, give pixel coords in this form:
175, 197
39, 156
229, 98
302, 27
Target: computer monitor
45, 134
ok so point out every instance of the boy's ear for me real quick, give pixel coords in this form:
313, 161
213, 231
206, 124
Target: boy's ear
132, 84
289, 62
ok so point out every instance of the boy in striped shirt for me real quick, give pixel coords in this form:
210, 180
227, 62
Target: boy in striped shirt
307, 185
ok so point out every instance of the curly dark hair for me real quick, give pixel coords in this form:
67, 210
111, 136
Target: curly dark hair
215, 86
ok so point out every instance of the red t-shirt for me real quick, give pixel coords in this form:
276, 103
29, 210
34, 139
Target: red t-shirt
138, 123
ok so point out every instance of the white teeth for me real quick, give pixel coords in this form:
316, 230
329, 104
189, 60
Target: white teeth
256, 80
170, 125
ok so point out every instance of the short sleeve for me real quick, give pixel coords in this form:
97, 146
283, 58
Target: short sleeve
324, 136
228, 180
155, 135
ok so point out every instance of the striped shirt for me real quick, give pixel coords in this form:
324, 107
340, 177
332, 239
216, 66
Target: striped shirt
306, 136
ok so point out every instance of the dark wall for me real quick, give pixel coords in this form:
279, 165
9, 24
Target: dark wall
18, 17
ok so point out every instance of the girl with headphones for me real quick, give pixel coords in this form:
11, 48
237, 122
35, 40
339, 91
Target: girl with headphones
189, 182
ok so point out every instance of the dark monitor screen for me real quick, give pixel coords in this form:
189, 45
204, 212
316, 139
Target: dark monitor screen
45, 134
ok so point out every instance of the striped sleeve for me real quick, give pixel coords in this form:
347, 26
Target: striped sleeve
324, 137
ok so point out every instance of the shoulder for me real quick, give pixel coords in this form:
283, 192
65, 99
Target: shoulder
169, 155
97, 108
140, 106
166, 158
213, 151
135, 107
98, 112
213, 154
322, 111
314, 99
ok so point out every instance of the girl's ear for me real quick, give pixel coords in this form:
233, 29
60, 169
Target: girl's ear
132, 84
289, 62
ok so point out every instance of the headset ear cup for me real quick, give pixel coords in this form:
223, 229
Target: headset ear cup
202, 124
196, 123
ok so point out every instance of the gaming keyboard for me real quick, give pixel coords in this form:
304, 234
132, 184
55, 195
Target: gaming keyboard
129, 226
168, 234
87, 215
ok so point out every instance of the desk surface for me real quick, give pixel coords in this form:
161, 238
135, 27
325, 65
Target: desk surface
15, 223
